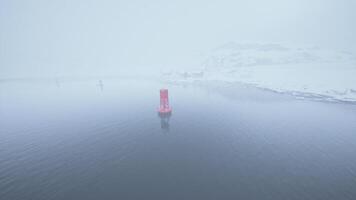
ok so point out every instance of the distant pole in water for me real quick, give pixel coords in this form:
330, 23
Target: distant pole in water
164, 108
101, 85
58, 83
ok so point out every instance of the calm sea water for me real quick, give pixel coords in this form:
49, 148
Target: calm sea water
86, 140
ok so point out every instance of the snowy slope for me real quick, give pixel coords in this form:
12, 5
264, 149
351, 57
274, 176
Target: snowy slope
302, 71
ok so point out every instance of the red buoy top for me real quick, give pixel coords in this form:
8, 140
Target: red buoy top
164, 102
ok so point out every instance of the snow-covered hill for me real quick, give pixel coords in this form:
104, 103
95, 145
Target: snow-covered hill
302, 71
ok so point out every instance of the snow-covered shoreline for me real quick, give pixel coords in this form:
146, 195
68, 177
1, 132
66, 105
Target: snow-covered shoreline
301, 72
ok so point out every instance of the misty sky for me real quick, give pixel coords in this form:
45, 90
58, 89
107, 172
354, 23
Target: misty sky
105, 37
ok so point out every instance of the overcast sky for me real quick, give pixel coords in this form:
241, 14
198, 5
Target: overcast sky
71, 37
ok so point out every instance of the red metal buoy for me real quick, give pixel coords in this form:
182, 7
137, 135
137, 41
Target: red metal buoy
164, 108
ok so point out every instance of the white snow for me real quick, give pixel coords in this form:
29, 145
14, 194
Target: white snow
301, 71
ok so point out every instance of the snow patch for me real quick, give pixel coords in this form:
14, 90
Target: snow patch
306, 72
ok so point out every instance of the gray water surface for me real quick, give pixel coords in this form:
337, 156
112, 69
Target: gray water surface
92, 140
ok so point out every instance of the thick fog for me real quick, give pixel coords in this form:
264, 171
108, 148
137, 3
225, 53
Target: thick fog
42, 38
